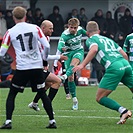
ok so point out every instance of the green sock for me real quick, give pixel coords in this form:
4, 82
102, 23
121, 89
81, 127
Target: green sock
72, 88
69, 72
109, 103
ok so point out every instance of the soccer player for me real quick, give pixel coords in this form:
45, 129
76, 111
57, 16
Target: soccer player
128, 48
52, 80
29, 65
70, 45
118, 69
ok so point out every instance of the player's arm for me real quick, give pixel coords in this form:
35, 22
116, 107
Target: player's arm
123, 54
42, 39
61, 44
121, 51
91, 54
5, 44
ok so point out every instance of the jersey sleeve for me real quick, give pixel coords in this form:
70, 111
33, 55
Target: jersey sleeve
5, 44
126, 44
84, 32
61, 43
42, 39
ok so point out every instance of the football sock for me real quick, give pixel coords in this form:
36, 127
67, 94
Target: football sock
51, 121
121, 109
8, 121
46, 103
36, 98
109, 103
69, 72
66, 88
52, 93
72, 88
10, 103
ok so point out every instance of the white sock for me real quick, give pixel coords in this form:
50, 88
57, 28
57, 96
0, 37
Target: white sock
121, 109
75, 99
35, 104
7, 121
51, 121
65, 76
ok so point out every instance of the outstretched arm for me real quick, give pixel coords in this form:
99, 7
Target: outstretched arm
91, 54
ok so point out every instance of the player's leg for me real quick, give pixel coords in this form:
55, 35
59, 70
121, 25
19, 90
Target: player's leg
34, 103
55, 84
39, 87
108, 84
66, 88
17, 85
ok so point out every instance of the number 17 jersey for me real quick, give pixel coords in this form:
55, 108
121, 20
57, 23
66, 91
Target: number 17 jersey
24, 37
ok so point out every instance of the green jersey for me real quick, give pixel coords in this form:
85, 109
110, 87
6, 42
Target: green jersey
128, 47
108, 50
71, 42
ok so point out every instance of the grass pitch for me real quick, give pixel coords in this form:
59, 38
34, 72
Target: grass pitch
90, 118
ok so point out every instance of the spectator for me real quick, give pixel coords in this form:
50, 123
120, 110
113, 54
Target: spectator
73, 14
57, 21
9, 19
38, 16
83, 18
119, 38
100, 20
125, 23
29, 17
111, 26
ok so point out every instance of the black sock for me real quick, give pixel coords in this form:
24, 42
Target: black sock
46, 103
66, 88
52, 93
10, 103
36, 98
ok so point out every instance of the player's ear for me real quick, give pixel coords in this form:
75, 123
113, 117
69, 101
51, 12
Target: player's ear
99, 31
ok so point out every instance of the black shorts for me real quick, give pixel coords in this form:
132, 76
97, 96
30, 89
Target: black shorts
35, 76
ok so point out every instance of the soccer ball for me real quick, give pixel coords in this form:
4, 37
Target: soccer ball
83, 81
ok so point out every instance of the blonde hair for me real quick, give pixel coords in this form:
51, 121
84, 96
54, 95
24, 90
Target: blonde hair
92, 26
73, 22
19, 12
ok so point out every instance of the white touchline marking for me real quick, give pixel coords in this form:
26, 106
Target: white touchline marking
65, 116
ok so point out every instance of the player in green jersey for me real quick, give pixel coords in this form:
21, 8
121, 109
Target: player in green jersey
118, 69
128, 48
70, 45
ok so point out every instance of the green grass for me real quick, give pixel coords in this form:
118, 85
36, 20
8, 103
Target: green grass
90, 118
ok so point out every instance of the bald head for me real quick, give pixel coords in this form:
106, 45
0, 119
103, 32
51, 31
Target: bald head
47, 27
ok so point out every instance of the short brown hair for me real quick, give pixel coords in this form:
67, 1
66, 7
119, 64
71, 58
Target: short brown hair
19, 12
92, 26
73, 22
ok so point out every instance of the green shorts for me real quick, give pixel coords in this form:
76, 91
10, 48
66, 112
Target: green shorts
79, 54
119, 71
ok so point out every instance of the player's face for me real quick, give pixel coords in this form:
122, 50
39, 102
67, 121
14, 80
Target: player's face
48, 30
73, 29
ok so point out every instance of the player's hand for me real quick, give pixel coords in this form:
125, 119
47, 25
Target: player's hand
62, 57
64, 49
78, 68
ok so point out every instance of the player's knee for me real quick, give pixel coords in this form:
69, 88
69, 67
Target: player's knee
98, 99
